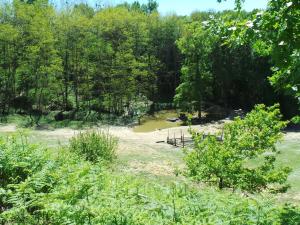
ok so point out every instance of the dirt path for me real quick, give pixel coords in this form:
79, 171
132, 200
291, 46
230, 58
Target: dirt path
137, 152
7, 128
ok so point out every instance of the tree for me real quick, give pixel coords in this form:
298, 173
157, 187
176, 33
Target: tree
237, 69
195, 87
148, 8
228, 162
275, 32
38, 61
8, 65
152, 6
280, 28
81, 60
163, 34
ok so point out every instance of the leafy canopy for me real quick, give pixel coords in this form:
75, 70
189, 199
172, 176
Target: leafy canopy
274, 32
196, 45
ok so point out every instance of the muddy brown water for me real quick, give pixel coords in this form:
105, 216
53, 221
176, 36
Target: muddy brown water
157, 122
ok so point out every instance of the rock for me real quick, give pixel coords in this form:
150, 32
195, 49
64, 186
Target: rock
237, 113
172, 119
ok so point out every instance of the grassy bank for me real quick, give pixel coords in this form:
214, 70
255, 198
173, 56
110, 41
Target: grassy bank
57, 186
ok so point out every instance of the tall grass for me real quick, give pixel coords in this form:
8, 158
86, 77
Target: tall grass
94, 145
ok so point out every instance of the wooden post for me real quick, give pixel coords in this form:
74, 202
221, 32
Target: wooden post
168, 138
174, 142
181, 136
222, 134
183, 140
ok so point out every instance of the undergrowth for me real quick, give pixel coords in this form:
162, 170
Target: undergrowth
94, 145
44, 186
81, 121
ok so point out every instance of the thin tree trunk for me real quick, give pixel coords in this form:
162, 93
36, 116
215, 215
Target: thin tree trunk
221, 183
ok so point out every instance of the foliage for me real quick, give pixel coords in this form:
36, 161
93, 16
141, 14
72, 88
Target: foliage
81, 59
228, 65
77, 58
226, 162
196, 78
238, 4
279, 26
289, 214
94, 146
18, 160
273, 32
148, 8
66, 189
40, 182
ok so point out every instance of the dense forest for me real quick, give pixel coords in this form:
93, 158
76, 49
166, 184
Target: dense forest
117, 59
79, 64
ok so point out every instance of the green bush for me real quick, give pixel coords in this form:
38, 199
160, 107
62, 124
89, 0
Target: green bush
18, 159
252, 138
62, 189
94, 145
54, 190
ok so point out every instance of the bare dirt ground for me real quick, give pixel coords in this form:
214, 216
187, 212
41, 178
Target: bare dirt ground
7, 128
137, 152
292, 135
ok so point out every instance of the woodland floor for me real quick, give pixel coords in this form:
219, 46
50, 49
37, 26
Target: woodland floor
141, 155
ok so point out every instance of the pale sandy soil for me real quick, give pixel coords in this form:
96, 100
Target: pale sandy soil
143, 140
292, 136
139, 152
7, 128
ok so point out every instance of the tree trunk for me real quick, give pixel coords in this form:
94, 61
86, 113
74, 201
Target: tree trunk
66, 79
199, 113
221, 183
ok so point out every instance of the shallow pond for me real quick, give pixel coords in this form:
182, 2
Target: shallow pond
157, 121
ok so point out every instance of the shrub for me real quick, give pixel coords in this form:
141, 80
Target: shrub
225, 163
94, 145
62, 189
18, 160
52, 184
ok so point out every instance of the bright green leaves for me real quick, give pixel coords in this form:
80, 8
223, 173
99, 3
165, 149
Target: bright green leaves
55, 186
196, 46
80, 59
274, 32
94, 146
18, 160
38, 63
129, 69
8, 39
8, 33
229, 163
37, 184
281, 25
